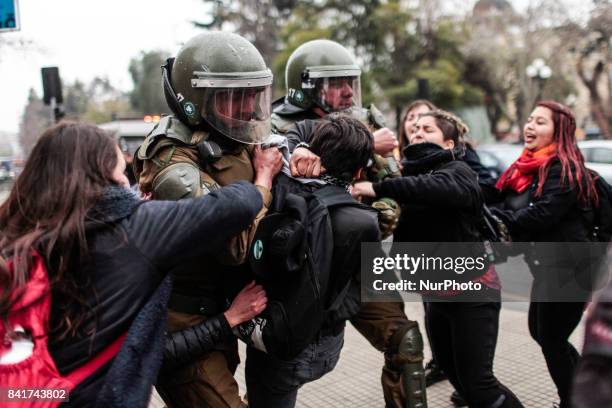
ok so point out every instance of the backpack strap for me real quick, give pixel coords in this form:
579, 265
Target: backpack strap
335, 196
78, 375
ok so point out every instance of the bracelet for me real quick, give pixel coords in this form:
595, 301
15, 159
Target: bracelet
302, 144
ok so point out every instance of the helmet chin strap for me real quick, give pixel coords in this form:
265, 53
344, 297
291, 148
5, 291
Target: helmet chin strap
171, 97
226, 143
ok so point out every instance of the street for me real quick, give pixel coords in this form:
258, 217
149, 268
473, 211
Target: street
355, 382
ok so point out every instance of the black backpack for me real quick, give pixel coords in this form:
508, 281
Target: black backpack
602, 214
495, 236
291, 256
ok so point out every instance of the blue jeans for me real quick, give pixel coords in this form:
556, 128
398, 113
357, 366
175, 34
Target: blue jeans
274, 383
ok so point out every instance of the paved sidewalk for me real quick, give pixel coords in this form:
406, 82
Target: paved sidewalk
355, 382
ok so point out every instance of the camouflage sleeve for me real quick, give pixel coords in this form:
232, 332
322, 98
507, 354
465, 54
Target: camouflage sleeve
171, 174
174, 174
389, 213
389, 210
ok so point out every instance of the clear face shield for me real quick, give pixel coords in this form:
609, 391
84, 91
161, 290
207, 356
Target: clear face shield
338, 94
241, 110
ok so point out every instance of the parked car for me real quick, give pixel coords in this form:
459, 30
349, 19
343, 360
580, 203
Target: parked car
6, 169
497, 157
592, 134
598, 156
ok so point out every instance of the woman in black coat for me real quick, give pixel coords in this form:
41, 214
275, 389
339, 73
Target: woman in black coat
107, 255
548, 196
442, 202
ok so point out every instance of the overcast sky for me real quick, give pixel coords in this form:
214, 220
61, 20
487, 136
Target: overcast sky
88, 38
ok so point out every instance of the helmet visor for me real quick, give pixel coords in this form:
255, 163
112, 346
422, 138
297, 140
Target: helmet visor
338, 94
242, 114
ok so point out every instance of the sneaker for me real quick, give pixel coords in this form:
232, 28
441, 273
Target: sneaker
458, 400
433, 374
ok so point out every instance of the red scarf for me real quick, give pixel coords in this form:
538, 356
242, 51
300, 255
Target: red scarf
520, 173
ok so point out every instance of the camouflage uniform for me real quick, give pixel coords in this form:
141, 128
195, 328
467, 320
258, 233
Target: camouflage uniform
190, 154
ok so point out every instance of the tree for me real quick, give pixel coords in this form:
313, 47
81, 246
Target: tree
76, 99
105, 101
595, 55
35, 119
147, 95
501, 46
394, 45
258, 21
95, 102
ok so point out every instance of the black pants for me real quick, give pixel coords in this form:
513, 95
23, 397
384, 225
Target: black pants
463, 339
551, 324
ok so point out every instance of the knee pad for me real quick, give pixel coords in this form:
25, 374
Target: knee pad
406, 346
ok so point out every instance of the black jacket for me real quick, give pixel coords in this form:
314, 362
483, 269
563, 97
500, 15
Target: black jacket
555, 216
130, 253
563, 271
185, 346
485, 179
351, 227
440, 197
301, 132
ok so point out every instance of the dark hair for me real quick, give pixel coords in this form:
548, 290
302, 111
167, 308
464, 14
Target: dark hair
66, 173
403, 137
344, 145
572, 161
451, 126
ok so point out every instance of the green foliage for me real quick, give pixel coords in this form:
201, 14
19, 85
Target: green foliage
147, 95
76, 99
446, 87
393, 45
302, 28
258, 21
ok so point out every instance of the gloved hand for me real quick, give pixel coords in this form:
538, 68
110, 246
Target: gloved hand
389, 213
382, 168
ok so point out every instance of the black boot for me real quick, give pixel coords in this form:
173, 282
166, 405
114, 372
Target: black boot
433, 374
457, 399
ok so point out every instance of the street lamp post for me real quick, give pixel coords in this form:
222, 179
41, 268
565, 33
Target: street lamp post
538, 70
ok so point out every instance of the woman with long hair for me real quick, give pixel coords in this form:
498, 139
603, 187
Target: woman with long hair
444, 204
107, 254
548, 196
409, 117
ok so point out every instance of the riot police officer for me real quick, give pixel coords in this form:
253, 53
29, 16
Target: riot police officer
321, 77
218, 88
